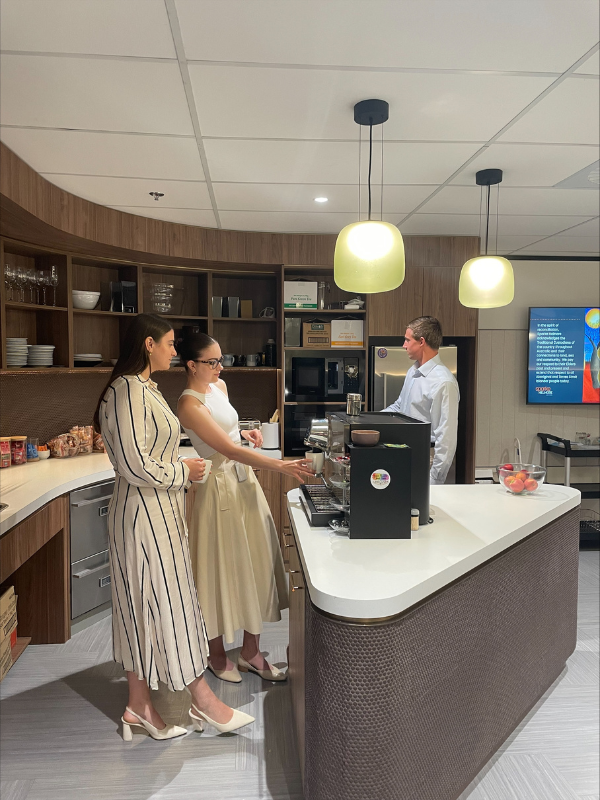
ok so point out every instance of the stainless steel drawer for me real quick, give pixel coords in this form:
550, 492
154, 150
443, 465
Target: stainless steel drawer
90, 583
89, 520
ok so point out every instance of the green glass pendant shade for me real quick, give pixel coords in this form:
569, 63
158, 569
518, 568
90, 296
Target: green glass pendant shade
486, 282
369, 257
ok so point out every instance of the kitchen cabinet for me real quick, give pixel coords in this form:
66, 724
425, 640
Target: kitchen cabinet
296, 649
389, 312
270, 482
440, 299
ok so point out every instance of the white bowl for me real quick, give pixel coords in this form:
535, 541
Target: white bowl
43, 454
85, 300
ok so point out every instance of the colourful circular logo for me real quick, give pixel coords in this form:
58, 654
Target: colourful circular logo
380, 479
382, 352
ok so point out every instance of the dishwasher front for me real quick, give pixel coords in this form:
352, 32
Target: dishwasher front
90, 570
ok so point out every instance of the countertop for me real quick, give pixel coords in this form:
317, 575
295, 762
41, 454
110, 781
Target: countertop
378, 578
28, 487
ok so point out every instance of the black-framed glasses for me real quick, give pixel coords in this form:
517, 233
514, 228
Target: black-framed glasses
212, 362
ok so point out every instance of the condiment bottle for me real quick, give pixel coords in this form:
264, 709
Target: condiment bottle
4, 451
414, 519
270, 353
18, 452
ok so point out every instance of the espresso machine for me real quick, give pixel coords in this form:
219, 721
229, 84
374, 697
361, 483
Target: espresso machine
368, 491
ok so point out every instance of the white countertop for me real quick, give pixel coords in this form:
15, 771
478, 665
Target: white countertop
375, 578
28, 487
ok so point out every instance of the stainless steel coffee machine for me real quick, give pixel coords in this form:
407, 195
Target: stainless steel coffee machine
370, 491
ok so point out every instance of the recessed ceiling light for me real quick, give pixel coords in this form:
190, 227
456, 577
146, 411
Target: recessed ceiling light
321, 199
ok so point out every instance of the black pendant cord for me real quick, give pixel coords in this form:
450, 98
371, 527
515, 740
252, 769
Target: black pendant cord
370, 161
487, 220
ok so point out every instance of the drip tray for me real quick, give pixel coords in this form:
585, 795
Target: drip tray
318, 504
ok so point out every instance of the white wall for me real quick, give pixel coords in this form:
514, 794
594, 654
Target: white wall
502, 411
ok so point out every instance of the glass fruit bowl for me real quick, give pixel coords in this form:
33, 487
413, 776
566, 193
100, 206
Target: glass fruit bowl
521, 478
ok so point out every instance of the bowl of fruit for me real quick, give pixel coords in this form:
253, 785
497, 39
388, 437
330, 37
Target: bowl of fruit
521, 478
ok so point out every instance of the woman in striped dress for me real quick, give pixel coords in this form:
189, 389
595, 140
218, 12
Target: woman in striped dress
158, 628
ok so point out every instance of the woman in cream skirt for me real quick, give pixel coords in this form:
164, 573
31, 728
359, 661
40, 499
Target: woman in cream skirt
234, 547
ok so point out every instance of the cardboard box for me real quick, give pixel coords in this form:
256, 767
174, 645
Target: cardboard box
316, 335
347, 333
300, 294
246, 309
5, 658
8, 614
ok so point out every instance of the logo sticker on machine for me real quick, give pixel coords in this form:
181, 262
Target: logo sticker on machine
382, 352
380, 479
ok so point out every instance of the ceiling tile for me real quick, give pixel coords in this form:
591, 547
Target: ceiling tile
507, 244
469, 224
590, 228
466, 200
528, 164
106, 27
569, 113
586, 245
92, 94
285, 222
303, 104
301, 197
331, 162
463, 34
591, 66
116, 154
185, 216
134, 191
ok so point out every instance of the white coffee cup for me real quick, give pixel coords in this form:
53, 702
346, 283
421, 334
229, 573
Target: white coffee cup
317, 460
207, 468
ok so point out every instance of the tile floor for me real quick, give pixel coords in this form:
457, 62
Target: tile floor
60, 740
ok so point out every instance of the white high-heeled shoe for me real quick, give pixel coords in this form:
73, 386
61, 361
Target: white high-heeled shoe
238, 720
168, 732
271, 674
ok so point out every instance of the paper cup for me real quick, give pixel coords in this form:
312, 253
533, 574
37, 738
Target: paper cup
208, 467
317, 461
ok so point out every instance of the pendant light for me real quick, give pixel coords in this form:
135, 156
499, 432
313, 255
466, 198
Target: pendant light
487, 281
369, 254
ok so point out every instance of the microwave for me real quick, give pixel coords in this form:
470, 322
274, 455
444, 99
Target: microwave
319, 379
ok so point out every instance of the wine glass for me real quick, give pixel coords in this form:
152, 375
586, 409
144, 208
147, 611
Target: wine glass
30, 279
9, 280
20, 280
44, 281
53, 281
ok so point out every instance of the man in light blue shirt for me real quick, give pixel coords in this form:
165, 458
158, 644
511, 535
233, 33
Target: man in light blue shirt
430, 393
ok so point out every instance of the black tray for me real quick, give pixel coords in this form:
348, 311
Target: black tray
313, 497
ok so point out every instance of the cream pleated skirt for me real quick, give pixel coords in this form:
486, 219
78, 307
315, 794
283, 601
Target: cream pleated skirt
237, 563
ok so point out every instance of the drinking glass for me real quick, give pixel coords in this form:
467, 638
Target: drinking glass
44, 281
54, 283
30, 279
20, 280
9, 280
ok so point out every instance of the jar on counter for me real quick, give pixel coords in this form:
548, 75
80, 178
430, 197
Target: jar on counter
32, 449
4, 451
18, 450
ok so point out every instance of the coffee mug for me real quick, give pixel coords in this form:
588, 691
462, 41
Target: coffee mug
228, 360
252, 360
207, 468
239, 361
317, 460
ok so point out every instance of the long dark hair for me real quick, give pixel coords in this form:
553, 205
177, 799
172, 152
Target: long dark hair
191, 347
134, 356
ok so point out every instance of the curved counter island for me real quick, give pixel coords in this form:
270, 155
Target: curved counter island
411, 661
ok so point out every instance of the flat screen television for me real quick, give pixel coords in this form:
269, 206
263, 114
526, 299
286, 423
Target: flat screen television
564, 356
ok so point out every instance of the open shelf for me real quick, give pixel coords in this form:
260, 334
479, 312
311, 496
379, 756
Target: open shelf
98, 312
318, 403
325, 311
244, 319
33, 306
329, 349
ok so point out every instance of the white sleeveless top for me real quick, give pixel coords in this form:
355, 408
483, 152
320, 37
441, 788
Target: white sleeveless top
223, 413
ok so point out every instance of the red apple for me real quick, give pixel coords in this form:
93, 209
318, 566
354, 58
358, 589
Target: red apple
521, 476
509, 480
517, 486
507, 466
531, 484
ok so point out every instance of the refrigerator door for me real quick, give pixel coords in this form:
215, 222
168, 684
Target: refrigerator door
389, 367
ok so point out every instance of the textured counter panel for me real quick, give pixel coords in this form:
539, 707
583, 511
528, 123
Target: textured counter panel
413, 709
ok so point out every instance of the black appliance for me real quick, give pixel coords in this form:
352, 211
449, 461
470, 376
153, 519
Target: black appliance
297, 420
323, 378
320, 504
393, 429
123, 296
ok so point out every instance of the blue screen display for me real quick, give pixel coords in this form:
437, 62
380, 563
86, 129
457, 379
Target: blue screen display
564, 355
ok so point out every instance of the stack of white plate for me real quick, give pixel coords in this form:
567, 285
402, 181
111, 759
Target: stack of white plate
16, 352
176, 361
40, 355
87, 359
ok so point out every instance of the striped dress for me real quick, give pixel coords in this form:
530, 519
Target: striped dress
158, 629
